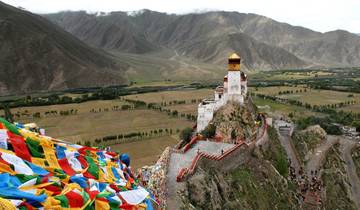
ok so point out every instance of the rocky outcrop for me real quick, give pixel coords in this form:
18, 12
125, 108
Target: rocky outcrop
234, 122
307, 140
254, 185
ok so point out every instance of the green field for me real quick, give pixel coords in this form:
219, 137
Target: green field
278, 109
323, 97
291, 75
274, 90
167, 96
312, 96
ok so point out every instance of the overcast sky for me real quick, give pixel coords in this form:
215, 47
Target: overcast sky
319, 15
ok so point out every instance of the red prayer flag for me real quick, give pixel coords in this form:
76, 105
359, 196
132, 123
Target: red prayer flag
64, 163
20, 148
75, 199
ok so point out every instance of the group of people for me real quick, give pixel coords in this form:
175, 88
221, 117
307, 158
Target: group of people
309, 186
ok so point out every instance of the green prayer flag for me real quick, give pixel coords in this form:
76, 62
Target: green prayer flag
93, 168
64, 202
35, 148
12, 128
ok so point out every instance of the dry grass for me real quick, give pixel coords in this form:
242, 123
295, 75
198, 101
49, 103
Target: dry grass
145, 152
185, 108
89, 126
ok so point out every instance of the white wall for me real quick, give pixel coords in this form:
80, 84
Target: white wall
205, 115
234, 82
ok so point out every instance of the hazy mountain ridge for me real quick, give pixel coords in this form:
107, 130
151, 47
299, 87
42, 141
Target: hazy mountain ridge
38, 55
181, 33
297, 46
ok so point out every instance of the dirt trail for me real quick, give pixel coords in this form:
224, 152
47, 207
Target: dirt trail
346, 147
285, 140
317, 158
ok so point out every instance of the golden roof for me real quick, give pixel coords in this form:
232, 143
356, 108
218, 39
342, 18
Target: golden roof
234, 56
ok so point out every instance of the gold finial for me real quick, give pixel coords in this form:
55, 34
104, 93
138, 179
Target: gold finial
234, 62
234, 56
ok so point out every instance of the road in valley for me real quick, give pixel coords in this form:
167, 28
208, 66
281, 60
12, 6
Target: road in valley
285, 130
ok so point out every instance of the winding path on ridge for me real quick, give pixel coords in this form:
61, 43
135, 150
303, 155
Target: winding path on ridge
317, 158
182, 160
346, 146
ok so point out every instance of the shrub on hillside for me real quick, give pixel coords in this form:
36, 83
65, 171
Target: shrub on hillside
209, 131
186, 134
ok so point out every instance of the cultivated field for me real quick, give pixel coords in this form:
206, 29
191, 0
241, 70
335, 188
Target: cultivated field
96, 119
145, 152
311, 96
168, 96
274, 90
90, 126
291, 75
185, 108
352, 108
86, 125
85, 107
322, 97
275, 108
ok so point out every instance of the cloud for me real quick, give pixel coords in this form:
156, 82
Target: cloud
320, 15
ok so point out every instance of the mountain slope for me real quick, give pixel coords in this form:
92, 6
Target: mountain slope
300, 47
177, 32
38, 55
114, 32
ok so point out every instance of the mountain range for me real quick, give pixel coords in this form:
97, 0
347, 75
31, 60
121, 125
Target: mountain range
78, 49
262, 42
36, 55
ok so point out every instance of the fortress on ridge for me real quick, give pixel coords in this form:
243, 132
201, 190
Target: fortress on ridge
234, 89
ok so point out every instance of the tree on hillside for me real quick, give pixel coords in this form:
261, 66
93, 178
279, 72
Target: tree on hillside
356, 124
209, 131
186, 134
8, 115
233, 134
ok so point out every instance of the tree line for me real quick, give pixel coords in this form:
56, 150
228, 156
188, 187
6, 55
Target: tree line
131, 136
333, 115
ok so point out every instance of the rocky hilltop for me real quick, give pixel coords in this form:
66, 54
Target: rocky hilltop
234, 122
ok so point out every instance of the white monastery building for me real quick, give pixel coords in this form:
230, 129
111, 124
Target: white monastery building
234, 89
